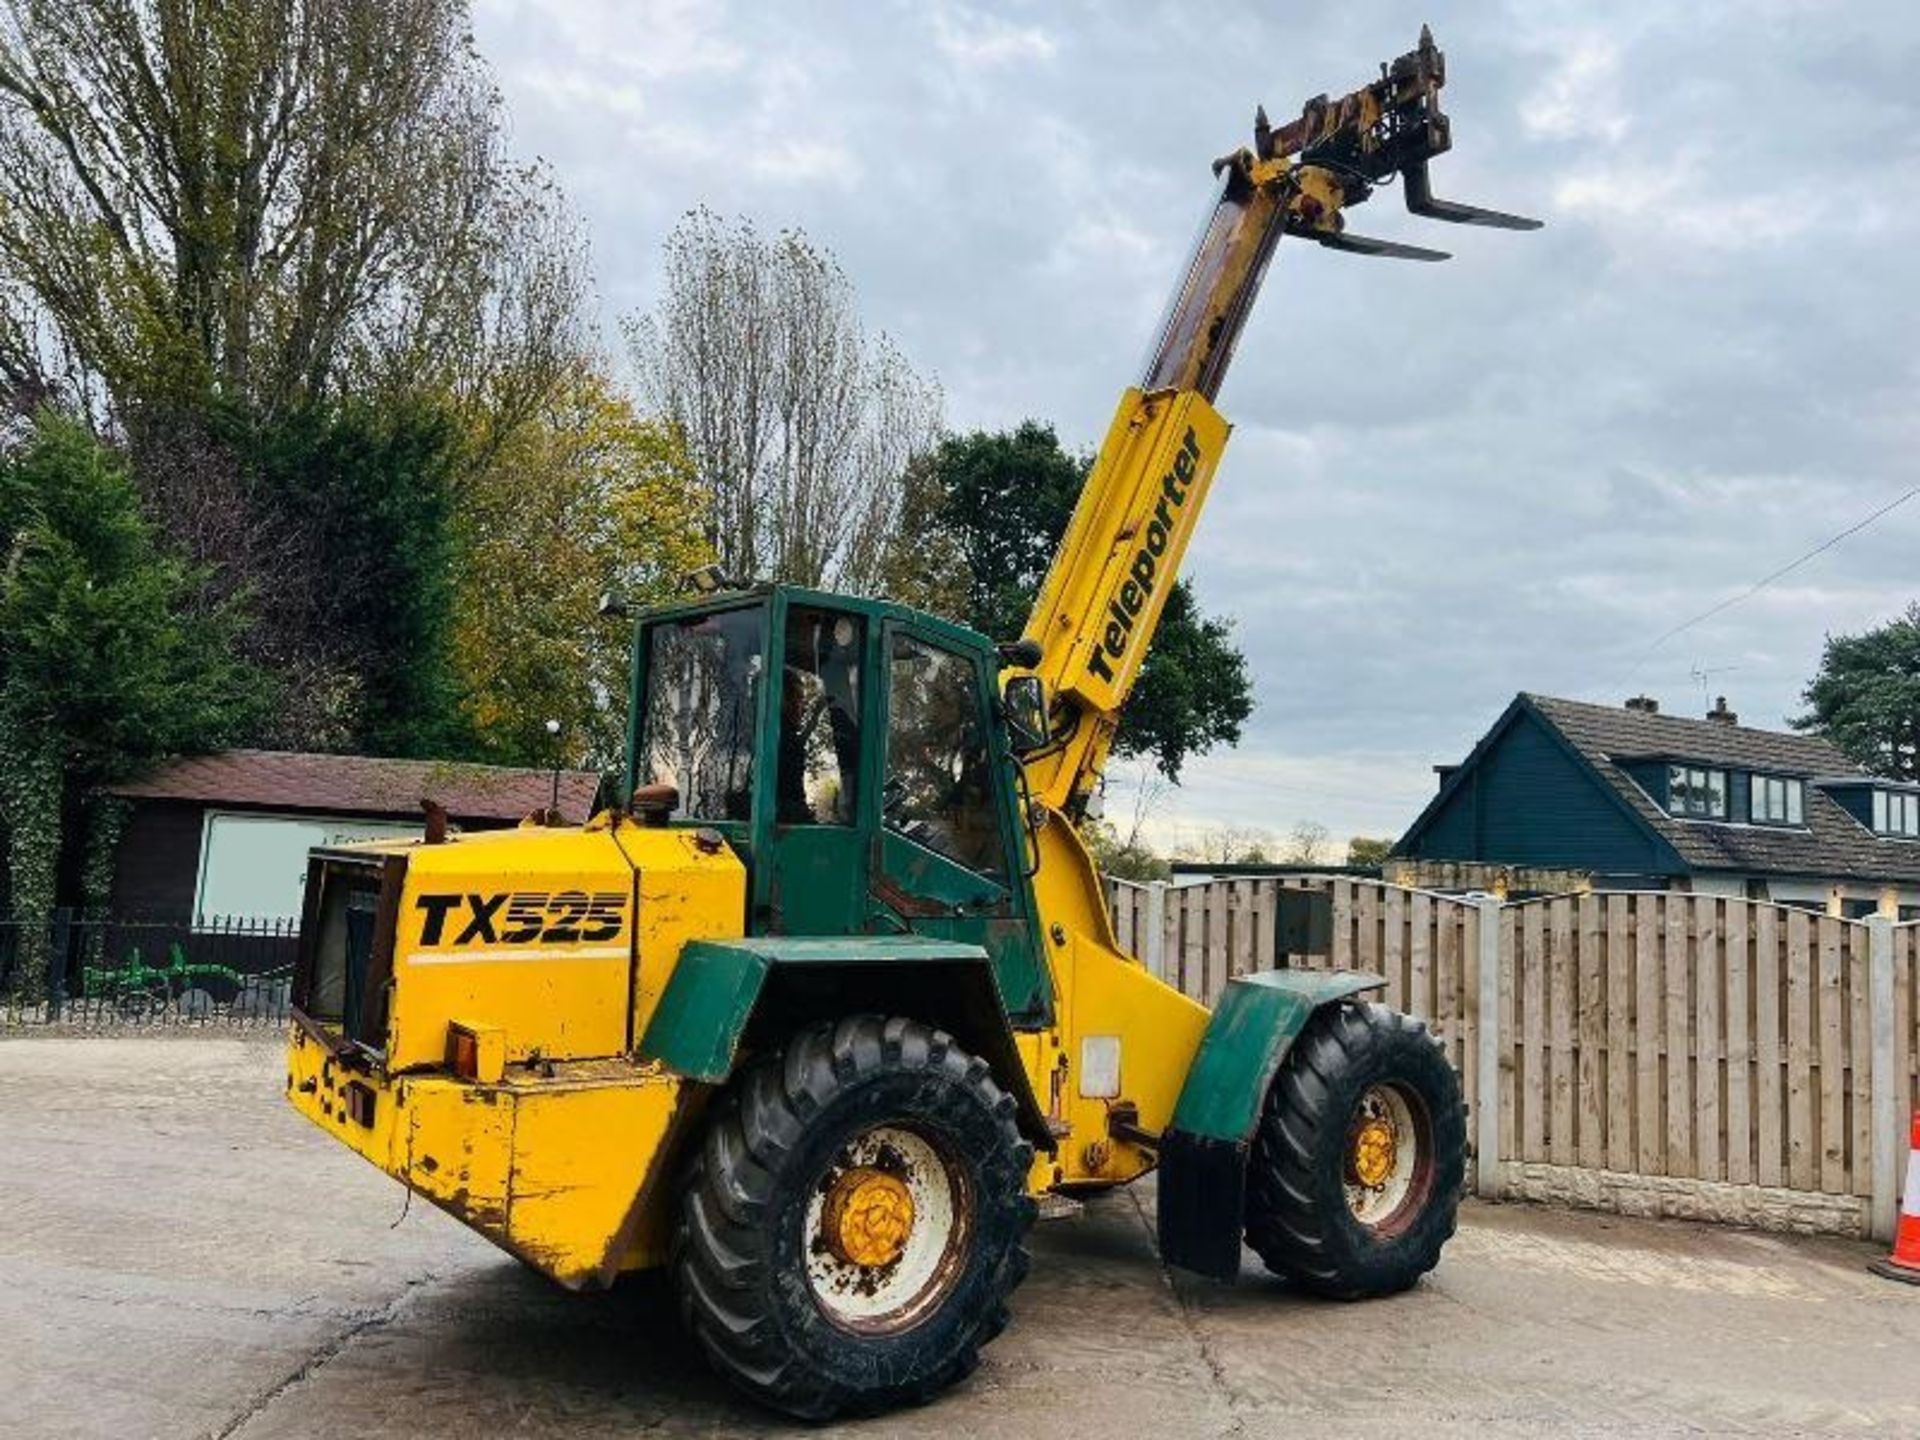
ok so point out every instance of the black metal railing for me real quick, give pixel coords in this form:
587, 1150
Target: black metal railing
81, 969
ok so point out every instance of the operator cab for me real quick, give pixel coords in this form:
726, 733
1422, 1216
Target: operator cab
856, 754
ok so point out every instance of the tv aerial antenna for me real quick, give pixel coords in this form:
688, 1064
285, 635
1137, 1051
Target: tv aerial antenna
1702, 675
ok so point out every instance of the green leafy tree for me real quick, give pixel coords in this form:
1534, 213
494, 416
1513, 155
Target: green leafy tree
1000, 501
1121, 857
1866, 696
283, 248
929, 571
1365, 850
358, 501
108, 661
1004, 501
1193, 692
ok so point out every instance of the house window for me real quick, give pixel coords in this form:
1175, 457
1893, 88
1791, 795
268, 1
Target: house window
1697, 793
1777, 801
1895, 813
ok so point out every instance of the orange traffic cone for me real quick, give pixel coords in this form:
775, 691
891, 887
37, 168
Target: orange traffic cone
1904, 1263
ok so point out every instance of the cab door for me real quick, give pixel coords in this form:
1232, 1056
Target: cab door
946, 858
811, 877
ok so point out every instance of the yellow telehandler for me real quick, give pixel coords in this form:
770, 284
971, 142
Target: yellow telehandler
820, 1009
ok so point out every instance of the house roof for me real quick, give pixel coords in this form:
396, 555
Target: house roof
363, 785
1627, 734
1833, 842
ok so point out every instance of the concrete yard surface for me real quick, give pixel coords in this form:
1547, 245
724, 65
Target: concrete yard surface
182, 1256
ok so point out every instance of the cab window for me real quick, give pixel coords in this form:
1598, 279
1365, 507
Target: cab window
819, 760
939, 782
698, 716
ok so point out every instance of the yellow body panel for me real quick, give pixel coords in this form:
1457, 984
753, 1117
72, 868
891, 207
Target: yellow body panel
1156, 1031
1150, 1029
556, 980
557, 998
527, 1162
549, 1155
685, 894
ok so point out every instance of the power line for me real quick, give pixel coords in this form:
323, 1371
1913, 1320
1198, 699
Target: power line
1766, 580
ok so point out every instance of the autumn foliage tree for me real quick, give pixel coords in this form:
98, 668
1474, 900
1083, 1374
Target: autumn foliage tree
1365, 851
271, 202
586, 497
281, 252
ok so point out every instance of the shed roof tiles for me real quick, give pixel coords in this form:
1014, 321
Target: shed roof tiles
363, 785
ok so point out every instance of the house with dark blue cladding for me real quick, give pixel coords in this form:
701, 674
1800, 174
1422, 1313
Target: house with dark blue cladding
1630, 798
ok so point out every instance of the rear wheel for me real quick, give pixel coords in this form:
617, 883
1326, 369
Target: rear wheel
1360, 1157
855, 1219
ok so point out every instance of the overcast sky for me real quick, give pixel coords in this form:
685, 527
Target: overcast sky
1446, 483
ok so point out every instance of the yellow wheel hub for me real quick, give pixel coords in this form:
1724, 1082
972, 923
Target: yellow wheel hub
1374, 1152
868, 1216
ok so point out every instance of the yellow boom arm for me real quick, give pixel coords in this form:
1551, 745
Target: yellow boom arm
1102, 600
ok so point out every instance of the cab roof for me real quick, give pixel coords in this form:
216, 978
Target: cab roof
876, 607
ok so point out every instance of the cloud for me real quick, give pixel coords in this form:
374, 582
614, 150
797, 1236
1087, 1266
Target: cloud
1672, 198
1447, 482
655, 39
1580, 97
974, 39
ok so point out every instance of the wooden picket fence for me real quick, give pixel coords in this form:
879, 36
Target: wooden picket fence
1734, 1054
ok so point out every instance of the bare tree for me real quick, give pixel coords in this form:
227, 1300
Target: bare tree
1307, 843
1149, 796
267, 201
801, 425
1229, 845
1126, 855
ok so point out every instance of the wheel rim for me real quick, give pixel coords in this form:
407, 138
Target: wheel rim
1389, 1159
886, 1229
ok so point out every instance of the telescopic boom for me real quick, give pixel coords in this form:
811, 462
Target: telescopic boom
1102, 600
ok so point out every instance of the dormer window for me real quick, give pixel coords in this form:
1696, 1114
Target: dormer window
1896, 813
1697, 793
1777, 801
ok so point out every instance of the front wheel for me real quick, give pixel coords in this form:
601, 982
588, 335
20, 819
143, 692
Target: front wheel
855, 1219
1360, 1157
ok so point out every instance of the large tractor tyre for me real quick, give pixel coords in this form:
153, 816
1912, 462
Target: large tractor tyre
1360, 1156
854, 1220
